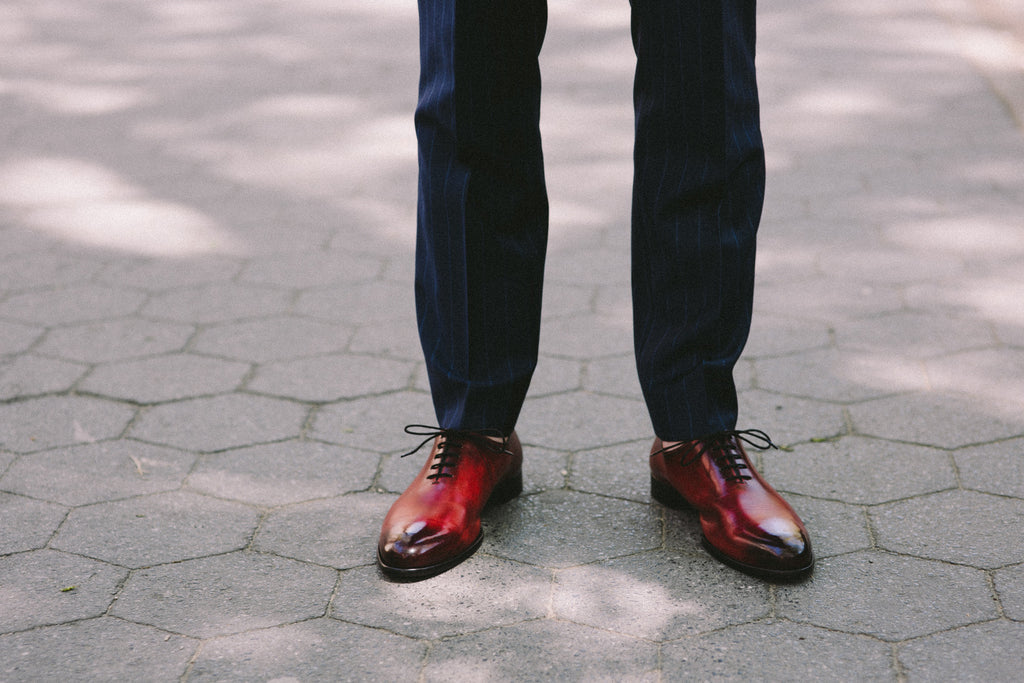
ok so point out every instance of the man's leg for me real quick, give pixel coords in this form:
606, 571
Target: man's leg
481, 237
698, 192
483, 211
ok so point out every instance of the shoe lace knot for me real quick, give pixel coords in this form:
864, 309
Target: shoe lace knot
450, 444
725, 449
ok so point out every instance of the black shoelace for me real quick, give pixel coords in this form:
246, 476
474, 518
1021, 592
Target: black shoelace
727, 456
451, 442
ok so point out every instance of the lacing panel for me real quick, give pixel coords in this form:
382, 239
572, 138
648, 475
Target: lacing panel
450, 444
723, 448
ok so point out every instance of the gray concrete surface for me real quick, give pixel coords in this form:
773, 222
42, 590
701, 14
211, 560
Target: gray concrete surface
208, 353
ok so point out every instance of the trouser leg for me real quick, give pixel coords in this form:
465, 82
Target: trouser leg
697, 197
482, 206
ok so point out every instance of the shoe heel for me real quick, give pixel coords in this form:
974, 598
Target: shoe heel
664, 493
507, 489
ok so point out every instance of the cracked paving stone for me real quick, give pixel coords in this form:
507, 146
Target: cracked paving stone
150, 530
543, 650
15, 337
103, 649
889, 597
331, 378
658, 596
320, 649
31, 375
777, 649
226, 594
480, 593
46, 587
98, 472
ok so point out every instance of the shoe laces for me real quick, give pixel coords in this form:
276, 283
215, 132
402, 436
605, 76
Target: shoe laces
450, 445
727, 454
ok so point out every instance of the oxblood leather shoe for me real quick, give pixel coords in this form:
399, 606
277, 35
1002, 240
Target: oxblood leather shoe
745, 522
435, 524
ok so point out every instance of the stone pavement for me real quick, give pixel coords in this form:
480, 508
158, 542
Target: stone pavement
207, 354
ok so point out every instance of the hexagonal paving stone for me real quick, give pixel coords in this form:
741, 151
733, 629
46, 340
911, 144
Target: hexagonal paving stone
159, 275
997, 374
52, 421
789, 420
481, 593
994, 468
889, 597
658, 596
360, 303
218, 303
97, 649
842, 377
340, 532
586, 337
109, 470
775, 335
858, 470
391, 338
374, 423
165, 378
936, 419
283, 473
16, 337
543, 651
45, 269
331, 378
777, 650
311, 269
80, 303
1010, 588
222, 422
834, 528
270, 339
165, 527
936, 527
320, 649
548, 529
115, 340
618, 471
616, 376
27, 524
563, 299
46, 587
554, 376
914, 335
826, 299
581, 420
30, 375
975, 653
227, 594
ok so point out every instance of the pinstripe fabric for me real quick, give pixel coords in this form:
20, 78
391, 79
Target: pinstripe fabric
697, 194
482, 222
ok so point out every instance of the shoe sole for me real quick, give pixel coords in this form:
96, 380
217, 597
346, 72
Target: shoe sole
508, 488
667, 495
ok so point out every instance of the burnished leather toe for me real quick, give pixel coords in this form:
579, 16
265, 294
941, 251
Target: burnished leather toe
745, 523
435, 524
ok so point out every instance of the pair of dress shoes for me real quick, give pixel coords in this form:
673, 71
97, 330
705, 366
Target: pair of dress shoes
746, 524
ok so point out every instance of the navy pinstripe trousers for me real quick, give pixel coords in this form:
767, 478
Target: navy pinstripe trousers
698, 188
